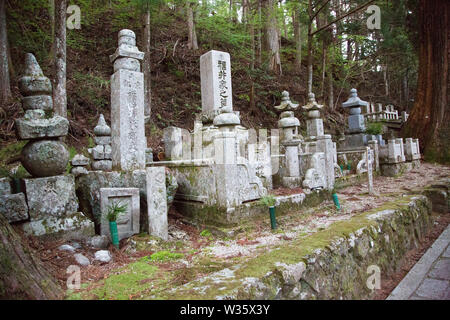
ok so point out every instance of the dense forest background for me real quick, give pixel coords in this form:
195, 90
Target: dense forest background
272, 44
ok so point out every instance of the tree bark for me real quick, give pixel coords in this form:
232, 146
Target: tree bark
297, 39
147, 66
5, 89
272, 38
430, 117
59, 88
22, 275
192, 35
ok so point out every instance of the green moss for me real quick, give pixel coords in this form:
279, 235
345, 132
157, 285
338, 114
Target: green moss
161, 256
206, 233
127, 282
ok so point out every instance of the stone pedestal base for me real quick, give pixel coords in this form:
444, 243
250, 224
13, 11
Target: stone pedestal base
74, 226
51, 196
354, 141
291, 182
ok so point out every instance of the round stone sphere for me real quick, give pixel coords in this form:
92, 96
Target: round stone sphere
45, 158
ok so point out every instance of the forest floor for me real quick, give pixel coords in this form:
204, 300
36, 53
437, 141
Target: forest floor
145, 267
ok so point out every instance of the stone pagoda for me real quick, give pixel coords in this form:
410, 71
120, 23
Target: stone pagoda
50, 194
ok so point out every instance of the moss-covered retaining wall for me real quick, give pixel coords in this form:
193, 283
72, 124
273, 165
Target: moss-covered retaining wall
330, 264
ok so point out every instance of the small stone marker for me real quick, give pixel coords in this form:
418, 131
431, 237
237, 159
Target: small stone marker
369, 162
157, 202
215, 71
128, 222
127, 105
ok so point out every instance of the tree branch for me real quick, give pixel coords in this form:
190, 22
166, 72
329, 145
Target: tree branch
343, 16
318, 11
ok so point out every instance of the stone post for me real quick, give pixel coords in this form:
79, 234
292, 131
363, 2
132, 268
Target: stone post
127, 105
369, 162
373, 144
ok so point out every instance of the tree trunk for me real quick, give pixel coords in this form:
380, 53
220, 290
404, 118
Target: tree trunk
330, 89
310, 48
386, 81
259, 49
272, 39
192, 35
297, 39
22, 275
430, 117
5, 89
59, 88
147, 66
51, 11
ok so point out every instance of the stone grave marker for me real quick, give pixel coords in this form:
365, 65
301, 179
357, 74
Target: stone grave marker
127, 223
215, 72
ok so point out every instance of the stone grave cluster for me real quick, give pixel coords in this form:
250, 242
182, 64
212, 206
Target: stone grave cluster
221, 168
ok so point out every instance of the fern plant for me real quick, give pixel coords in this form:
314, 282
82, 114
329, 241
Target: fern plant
268, 201
115, 210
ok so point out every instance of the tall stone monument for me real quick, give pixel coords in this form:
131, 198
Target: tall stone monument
127, 105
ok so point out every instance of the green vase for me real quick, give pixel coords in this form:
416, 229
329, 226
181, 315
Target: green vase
336, 202
114, 233
273, 221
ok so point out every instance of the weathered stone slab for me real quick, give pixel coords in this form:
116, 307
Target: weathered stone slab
5, 186
127, 223
43, 102
73, 226
14, 207
102, 165
102, 140
80, 160
51, 196
42, 128
177, 143
157, 202
77, 171
98, 152
215, 73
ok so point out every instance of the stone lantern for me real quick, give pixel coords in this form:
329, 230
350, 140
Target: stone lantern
289, 124
356, 119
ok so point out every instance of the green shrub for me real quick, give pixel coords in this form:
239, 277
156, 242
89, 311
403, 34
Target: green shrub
375, 128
